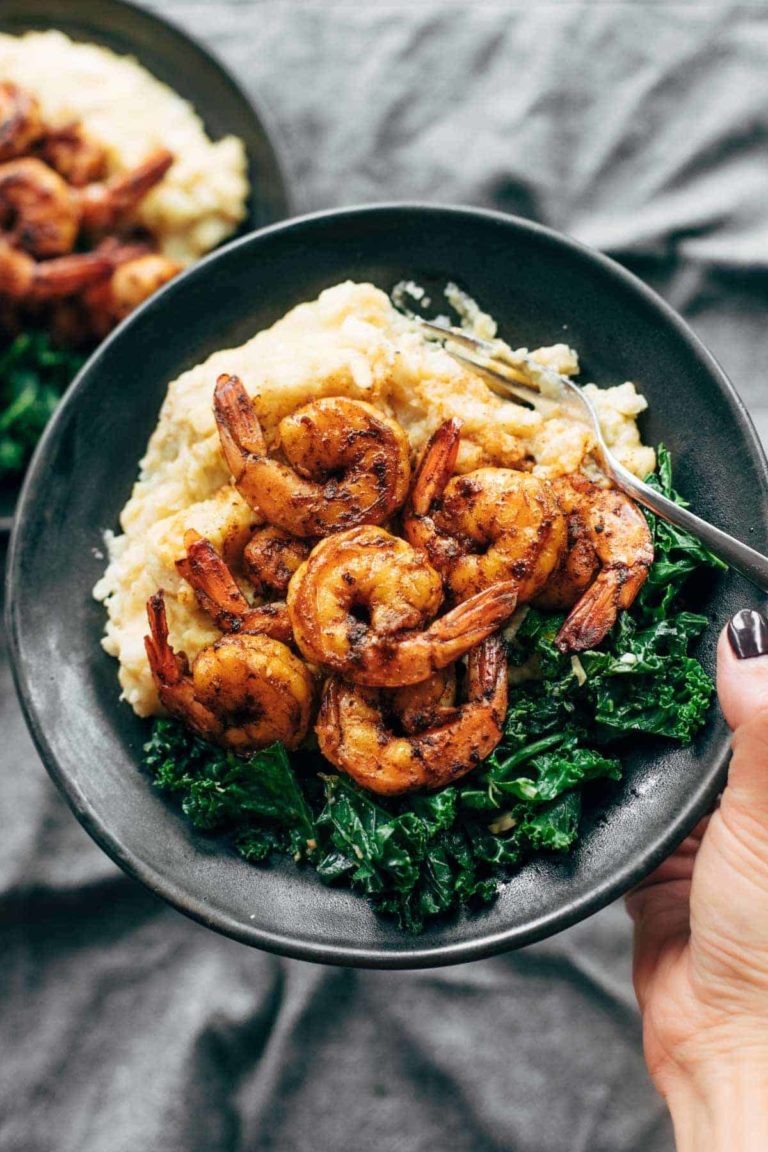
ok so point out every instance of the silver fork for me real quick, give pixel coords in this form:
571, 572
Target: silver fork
518, 374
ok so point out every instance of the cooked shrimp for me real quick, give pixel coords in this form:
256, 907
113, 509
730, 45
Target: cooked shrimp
38, 211
489, 525
24, 279
357, 604
243, 692
271, 557
20, 121
428, 704
220, 596
354, 734
41, 213
132, 282
347, 463
610, 551
91, 315
72, 153
104, 206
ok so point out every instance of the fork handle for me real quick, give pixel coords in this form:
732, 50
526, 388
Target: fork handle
750, 563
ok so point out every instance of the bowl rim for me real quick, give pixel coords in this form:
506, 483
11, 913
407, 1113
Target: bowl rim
699, 798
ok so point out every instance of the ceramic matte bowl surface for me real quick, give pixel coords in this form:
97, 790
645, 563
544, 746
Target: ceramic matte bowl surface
542, 288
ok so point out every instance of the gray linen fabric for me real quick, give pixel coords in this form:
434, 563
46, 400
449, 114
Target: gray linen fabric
640, 129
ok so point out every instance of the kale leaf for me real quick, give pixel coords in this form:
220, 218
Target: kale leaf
409, 857
421, 856
33, 376
677, 554
258, 796
647, 682
555, 826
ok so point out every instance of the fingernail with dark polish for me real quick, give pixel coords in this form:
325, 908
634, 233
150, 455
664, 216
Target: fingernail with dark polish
748, 634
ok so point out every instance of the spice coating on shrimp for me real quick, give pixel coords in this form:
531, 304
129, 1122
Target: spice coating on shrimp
38, 209
221, 597
355, 734
606, 565
243, 692
43, 215
24, 279
105, 205
132, 282
134, 273
20, 121
346, 463
361, 606
72, 153
425, 705
271, 557
488, 525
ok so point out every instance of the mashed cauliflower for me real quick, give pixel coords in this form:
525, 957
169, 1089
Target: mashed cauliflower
349, 342
202, 199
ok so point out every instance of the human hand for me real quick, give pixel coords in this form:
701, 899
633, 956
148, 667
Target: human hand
701, 932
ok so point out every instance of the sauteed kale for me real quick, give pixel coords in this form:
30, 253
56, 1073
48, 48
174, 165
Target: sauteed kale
33, 376
419, 856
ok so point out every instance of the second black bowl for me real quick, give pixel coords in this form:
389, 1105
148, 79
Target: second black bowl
186, 66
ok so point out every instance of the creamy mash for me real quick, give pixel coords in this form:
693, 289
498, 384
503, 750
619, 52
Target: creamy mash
349, 342
202, 199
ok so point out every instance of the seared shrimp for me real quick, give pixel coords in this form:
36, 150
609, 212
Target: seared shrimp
428, 704
358, 604
489, 525
354, 734
610, 550
133, 281
243, 692
38, 211
104, 206
42, 214
220, 596
72, 153
347, 463
24, 279
271, 557
94, 312
20, 121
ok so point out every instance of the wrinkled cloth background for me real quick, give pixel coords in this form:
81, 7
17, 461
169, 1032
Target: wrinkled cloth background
641, 129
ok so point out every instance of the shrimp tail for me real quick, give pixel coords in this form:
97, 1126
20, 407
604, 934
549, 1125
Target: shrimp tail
68, 275
437, 466
328, 723
436, 469
119, 251
594, 615
167, 668
170, 673
23, 278
213, 584
103, 206
219, 595
471, 622
239, 430
487, 675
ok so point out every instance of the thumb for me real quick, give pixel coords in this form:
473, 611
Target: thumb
742, 667
742, 685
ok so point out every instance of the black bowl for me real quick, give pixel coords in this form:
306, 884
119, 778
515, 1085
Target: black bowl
542, 288
179, 61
